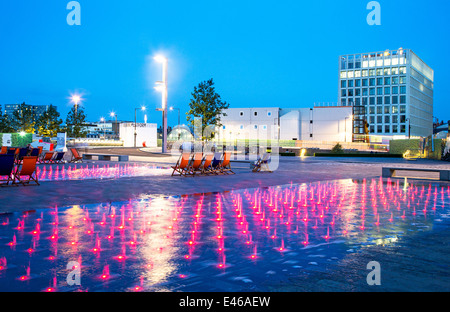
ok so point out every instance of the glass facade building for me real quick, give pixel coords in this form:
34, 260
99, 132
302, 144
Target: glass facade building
391, 90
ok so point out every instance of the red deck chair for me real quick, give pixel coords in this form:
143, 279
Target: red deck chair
182, 165
28, 169
75, 156
4, 150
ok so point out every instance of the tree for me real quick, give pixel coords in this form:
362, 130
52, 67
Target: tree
23, 119
75, 123
5, 123
49, 123
207, 105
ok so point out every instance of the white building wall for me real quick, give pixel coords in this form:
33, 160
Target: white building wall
145, 133
307, 124
332, 124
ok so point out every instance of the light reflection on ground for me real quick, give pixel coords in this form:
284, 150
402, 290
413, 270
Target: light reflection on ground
243, 240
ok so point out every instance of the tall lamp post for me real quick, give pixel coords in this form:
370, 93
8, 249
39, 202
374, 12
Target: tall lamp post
76, 99
135, 122
162, 86
179, 120
104, 125
112, 114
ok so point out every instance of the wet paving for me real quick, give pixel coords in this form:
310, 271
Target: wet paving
293, 237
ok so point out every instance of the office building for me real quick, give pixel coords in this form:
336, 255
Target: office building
391, 93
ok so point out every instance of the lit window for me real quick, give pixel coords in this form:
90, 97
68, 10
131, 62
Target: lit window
402, 70
402, 79
394, 70
343, 74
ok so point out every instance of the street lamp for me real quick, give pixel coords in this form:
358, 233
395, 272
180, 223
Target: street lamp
104, 125
162, 86
143, 108
113, 114
76, 99
179, 121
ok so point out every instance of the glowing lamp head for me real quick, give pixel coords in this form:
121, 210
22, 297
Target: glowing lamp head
160, 59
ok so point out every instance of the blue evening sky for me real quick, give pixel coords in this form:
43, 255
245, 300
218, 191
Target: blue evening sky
260, 53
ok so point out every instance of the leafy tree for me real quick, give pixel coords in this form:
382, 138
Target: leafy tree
75, 123
5, 123
206, 104
23, 119
49, 123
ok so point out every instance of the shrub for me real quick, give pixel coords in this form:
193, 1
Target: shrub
337, 149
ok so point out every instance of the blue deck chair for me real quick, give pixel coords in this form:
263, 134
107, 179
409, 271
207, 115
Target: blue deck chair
59, 158
34, 152
7, 168
11, 151
22, 153
217, 161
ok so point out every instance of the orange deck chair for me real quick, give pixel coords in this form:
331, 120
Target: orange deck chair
48, 157
207, 164
4, 150
225, 166
196, 163
75, 156
182, 165
28, 169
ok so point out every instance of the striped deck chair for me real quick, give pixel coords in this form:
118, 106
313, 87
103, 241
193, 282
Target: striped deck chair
27, 169
181, 168
262, 164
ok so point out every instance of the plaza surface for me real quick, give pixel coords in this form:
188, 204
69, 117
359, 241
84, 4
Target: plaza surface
412, 248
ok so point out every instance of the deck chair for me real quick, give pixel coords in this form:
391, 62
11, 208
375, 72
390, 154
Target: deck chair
35, 152
262, 164
40, 148
182, 165
11, 151
215, 165
59, 158
27, 169
206, 168
75, 156
6, 168
225, 166
4, 150
48, 157
21, 153
196, 163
